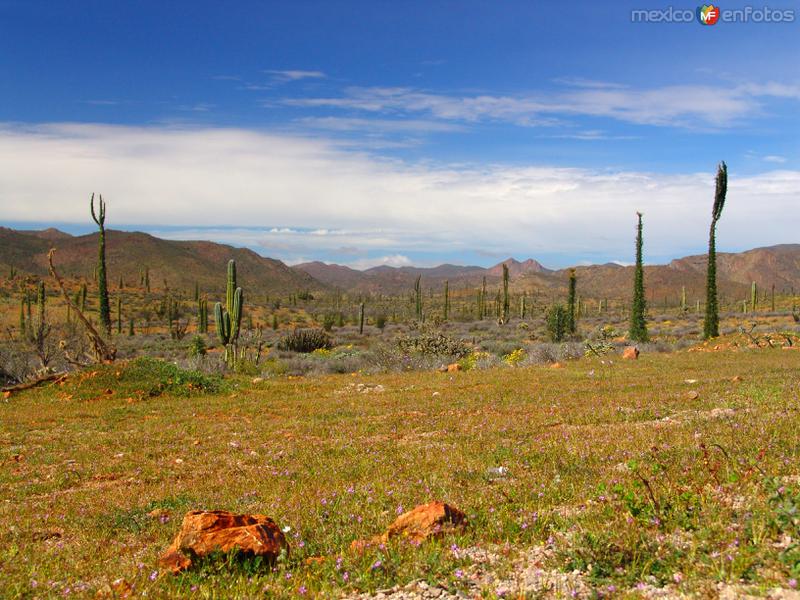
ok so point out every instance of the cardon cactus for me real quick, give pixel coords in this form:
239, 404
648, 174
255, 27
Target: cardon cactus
229, 319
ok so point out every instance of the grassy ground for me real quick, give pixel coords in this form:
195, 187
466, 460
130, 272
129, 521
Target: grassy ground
617, 468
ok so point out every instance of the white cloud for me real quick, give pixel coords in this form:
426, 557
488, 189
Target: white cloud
295, 75
692, 106
309, 195
378, 125
775, 159
393, 260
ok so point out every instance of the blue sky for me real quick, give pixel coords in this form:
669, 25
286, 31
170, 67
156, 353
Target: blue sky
396, 133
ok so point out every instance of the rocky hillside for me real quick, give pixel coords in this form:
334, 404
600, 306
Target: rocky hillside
179, 263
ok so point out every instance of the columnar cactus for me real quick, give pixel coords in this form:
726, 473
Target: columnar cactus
446, 300
418, 298
119, 314
229, 320
753, 296
22, 325
506, 302
361, 319
202, 315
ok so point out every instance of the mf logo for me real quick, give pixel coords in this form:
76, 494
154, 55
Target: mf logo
708, 14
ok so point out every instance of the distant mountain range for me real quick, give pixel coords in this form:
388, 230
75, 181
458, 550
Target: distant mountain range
736, 271
182, 263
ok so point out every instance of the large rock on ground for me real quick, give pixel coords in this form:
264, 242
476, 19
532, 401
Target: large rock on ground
423, 522
207, 531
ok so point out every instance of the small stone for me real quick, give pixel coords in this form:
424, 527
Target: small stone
556, 365
453, 368
257, 380
693, 395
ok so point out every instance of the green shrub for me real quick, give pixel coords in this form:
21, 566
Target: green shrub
197, 347
143, 377
433, 343
305, 340
557, 322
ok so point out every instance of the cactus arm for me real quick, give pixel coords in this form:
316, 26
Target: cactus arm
220, 323
236, 315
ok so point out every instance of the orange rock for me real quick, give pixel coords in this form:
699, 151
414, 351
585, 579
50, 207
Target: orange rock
736, 378
693, 395
425, 521
453, 368
204, 532
630, 353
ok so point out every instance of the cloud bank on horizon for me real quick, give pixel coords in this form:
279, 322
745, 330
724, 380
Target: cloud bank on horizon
393, 139
303, 199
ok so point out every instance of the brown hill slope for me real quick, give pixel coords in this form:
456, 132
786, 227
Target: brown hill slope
775, 264
179, 263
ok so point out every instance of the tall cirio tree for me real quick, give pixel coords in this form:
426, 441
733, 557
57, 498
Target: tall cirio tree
102, 279
711, 324
638, 326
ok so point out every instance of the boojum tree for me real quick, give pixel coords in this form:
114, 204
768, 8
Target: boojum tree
711, 324
102, 280
638, 326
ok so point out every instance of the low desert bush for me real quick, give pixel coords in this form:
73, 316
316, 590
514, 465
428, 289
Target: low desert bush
305, 340
433, 343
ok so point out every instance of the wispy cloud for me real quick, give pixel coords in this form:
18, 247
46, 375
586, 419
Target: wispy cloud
309, 197
392, 260
294, 75
379, 125
197, 107
688, 106
592, 135
773, 158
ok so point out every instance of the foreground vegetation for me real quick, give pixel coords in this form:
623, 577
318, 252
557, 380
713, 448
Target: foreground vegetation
675, 470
